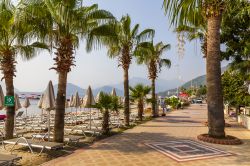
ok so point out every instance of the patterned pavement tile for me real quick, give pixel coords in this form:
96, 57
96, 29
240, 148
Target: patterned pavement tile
187, 150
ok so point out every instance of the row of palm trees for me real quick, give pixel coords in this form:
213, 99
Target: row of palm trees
58, 26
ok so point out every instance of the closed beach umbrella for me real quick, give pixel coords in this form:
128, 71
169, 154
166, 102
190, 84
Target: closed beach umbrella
66, 104
39, 104
113, 92
71, 101
97, 97
17, 103
48, 102
26, 104
1, 98
89, 101
76, 103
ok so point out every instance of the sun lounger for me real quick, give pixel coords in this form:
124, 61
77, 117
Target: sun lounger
67, 138
33, 144
6, 159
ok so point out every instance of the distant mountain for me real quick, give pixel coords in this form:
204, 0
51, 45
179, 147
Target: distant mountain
72, 89
198, 81
161, 84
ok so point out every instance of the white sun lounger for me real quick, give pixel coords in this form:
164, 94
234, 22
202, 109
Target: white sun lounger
67, 138
33, 144
6, 159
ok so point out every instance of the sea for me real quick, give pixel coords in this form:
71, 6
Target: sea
32, 109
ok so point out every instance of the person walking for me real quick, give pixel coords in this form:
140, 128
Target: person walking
163, 106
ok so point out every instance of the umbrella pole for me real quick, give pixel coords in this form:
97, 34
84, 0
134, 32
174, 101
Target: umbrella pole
90, 119
71, 115
41, 115
48, 125
76, 115
26, 119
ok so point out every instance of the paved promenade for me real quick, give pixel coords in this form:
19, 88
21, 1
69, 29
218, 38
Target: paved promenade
130, 149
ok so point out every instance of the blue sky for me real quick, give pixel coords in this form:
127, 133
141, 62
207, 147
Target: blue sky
96, 69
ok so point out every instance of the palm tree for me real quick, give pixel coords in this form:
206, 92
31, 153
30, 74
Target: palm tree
107, 103
121, 40
13, 42
138, 94
151, 55
62, 24
182, 12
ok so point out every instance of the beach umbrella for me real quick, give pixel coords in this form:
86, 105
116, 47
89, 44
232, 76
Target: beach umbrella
39, 104
17, 103
66, 104
48, 102
97, 97
89, 101
26, 104
1, 98
71, 101
76, 103
113, 92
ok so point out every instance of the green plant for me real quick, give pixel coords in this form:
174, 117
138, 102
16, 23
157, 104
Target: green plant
173, 102
138, 94
107, 103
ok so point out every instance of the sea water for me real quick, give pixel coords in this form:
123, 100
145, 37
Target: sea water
32, 109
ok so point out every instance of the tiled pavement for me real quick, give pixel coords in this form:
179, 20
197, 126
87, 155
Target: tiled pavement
129, 149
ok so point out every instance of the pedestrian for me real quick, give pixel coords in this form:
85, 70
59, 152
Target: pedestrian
163, 106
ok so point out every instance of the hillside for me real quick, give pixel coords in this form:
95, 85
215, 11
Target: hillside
196, 82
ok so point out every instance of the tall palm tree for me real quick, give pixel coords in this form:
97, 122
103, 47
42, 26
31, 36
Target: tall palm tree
62, 23
121, 39
138, 94
151, 55
12, 43
181, 12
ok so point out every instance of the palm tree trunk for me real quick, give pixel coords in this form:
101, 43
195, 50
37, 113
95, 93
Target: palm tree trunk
105, 124
153, 98
10, 111
140, 109
126, 95
8, 69
216, 122
60, 107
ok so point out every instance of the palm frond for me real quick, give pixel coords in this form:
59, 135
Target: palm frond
146, 34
